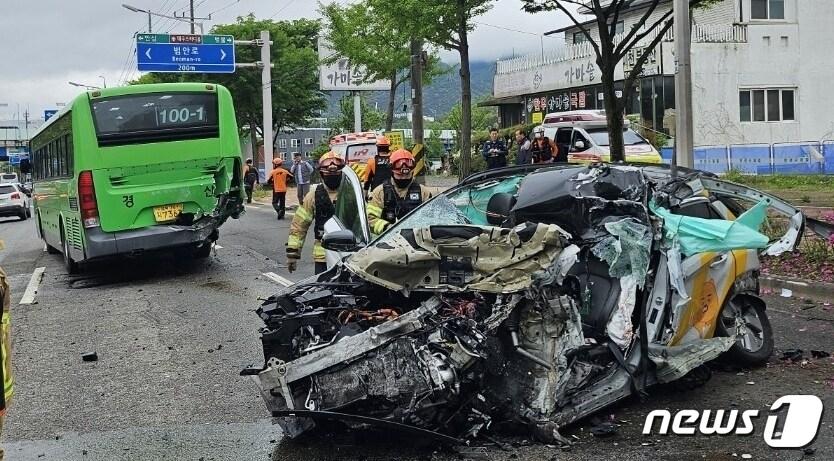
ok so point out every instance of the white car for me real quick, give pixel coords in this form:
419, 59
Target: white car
14, 201
9, 178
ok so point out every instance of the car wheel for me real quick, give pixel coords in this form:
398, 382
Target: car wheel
28, 212
69, 263
746, 318
23, 214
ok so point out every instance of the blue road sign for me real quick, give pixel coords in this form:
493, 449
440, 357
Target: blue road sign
185, 53
48, 113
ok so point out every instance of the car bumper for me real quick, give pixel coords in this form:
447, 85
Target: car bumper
101, 244
11, 210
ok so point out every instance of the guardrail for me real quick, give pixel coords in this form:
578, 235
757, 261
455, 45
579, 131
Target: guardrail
783, 158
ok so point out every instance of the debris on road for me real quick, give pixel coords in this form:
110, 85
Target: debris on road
819, 354
89, 357
786, 293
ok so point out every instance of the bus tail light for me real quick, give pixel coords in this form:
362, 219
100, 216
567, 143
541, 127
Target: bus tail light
87, 199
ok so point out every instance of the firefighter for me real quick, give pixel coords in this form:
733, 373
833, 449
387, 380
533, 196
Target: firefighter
318, 206
378, 169
6, 376
278, 178
396, 197
543, 149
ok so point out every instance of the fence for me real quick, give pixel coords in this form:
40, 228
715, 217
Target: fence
783, 158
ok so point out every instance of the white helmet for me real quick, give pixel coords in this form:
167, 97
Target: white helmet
539, 130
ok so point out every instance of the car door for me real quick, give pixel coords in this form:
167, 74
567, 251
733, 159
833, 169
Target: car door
350, 214
563, 139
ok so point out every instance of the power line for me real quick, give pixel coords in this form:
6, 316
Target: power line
290, 2
223, 8
516, 30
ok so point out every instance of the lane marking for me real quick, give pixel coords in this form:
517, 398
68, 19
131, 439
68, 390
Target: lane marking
216, 246
278, 279
32, 288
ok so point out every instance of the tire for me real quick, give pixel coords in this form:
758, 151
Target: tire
202, 251
23, 215
70, 265
28, 212
755, 335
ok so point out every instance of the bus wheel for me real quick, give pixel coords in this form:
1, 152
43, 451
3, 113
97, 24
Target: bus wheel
202, 251
69, 264
49, 248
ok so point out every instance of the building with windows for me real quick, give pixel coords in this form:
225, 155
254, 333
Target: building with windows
303, 140
760, 70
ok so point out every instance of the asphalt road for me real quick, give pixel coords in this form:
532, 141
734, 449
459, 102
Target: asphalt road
171, 337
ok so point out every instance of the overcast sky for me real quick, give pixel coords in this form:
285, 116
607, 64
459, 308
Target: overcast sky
47, 43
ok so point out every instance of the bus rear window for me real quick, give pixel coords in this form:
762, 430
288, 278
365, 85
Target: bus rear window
155, 117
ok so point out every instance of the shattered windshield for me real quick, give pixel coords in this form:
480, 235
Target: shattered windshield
465, 206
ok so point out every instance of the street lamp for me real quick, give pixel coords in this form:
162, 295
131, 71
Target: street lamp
104, 80
176, 18
89, 87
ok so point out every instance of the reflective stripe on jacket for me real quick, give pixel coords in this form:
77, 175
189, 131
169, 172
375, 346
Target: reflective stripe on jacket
304, 216
6, 344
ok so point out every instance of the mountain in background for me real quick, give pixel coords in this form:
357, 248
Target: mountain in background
438, 98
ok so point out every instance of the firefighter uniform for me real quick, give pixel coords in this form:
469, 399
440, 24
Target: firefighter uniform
6, 375
378, 168
390, 203
318, 206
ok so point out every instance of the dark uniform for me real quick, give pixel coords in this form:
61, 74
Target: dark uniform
496, 159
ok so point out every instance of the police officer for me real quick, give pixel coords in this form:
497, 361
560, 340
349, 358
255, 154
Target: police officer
378, 169
318, 206
495, 151
396, 197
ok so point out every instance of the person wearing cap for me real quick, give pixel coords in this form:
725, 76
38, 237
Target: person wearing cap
378, 169
495, 150
399, 195
278, 178
318, 206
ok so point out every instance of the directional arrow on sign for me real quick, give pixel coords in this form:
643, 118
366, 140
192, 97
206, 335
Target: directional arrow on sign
148, 53
222, 55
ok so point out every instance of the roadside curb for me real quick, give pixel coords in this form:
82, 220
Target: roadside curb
817, 291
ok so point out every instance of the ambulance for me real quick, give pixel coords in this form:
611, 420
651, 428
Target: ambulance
584, 135
355, 148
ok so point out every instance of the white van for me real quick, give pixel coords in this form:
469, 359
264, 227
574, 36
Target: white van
584, 135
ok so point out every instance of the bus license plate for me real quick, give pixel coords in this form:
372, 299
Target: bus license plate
167, 212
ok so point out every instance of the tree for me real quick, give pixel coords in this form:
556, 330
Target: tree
344, 123
444, 23
295, 93
359, 34
610, 49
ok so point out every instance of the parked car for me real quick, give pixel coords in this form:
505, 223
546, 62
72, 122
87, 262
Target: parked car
14, 201
9, 178
583, 135
533, 295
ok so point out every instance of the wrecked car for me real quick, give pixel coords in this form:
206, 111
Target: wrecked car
533, 296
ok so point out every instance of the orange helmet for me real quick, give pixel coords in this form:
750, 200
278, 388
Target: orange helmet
383, 141
277, 161
331, 163
402, 162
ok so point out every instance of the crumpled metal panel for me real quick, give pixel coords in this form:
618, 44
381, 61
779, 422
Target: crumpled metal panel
673, 362
460, 258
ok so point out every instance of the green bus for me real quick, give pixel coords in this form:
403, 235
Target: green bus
121, 171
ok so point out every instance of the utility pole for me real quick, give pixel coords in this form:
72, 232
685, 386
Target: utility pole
683, 88
357, 112
266, 83
191, 2
417, 91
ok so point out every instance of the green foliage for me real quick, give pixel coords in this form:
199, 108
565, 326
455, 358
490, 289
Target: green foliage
343, 123
295, 93
320, 150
